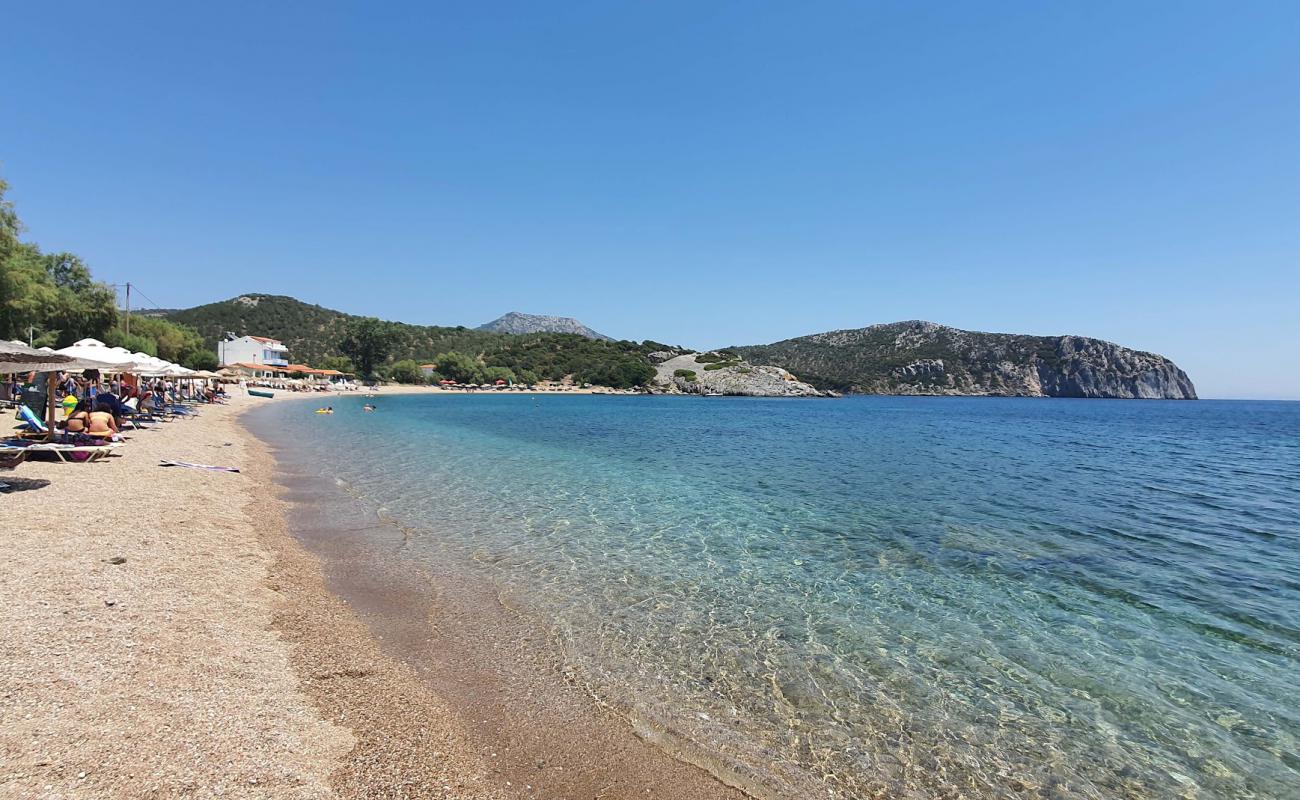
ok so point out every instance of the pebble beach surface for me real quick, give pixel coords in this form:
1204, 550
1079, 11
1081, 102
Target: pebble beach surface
165, 634
162, 636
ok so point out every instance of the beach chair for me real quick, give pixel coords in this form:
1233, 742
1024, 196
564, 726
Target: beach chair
33, 422
11, 459
67, 453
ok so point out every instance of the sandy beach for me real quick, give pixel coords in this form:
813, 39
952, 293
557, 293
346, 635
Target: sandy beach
166, 636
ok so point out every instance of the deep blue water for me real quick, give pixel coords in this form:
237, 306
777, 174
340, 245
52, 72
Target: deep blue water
884, 596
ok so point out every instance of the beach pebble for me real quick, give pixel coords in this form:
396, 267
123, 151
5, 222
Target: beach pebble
110, 603
117, 560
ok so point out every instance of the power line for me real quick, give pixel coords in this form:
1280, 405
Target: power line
135, 289
152, 304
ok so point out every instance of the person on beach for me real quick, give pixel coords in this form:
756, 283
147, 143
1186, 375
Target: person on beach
107, 401
90, 422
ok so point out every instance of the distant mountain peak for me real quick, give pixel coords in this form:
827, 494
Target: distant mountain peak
518, 322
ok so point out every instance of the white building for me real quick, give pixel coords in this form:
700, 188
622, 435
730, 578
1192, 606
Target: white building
253, 350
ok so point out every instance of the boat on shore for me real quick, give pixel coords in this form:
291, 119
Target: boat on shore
261, 393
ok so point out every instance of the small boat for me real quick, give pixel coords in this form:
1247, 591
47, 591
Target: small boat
260, 393
714, 394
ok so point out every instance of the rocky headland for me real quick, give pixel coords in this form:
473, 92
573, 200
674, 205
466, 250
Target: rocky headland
923, 358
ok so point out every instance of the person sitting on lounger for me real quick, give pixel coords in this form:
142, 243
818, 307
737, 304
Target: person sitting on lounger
99, 424
107, 401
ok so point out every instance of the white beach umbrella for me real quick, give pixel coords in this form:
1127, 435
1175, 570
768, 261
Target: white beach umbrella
18, 357
114, 359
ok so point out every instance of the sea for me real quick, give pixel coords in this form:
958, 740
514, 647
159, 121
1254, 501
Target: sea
878, 596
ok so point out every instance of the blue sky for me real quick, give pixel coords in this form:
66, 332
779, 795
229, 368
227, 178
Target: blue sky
704, 174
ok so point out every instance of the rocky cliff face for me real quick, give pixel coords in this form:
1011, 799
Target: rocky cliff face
928, 359
518, 323
711, 373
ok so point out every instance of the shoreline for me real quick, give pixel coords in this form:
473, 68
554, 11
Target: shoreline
482, 669
166, 634
138, 656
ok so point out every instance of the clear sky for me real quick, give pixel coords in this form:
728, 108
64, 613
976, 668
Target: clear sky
698, 173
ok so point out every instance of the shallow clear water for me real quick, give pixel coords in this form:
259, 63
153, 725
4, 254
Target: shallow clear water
883, 596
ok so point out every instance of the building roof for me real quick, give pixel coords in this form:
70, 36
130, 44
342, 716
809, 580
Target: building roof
428, 366
289, 369
265, 340
263, 367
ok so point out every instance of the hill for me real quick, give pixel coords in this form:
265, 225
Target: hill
922, 358
520, 323
312, 333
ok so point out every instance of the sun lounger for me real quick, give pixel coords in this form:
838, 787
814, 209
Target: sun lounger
10, 459
34, 423
66, 453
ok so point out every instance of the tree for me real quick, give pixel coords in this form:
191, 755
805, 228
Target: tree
406, 371
460, 367
200, 360
51, 297
494, 374
340, 363
10, 227
367, 341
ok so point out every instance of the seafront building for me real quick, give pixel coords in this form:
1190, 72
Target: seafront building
253, 350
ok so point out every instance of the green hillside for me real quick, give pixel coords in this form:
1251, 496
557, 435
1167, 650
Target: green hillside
313, 333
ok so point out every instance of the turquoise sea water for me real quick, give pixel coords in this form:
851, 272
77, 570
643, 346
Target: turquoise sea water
902, 597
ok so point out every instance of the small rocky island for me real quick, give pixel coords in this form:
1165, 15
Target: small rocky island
723, 373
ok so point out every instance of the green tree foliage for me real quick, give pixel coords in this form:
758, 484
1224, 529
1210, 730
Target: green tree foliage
340, 363
459, 367
50, 296
494, 374
406, 371
367, 341
200, 360
161, 338
55, 298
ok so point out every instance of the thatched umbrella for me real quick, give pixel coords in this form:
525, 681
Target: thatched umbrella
18, 357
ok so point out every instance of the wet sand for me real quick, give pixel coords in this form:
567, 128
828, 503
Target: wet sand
540, 733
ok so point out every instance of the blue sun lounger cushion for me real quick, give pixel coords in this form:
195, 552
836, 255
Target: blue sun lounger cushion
33, 421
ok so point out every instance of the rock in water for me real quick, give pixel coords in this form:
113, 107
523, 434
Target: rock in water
923, 358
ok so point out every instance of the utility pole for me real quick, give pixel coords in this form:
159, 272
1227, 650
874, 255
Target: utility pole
128, 308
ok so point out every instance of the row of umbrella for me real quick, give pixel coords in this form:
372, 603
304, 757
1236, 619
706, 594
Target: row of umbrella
85, 354
89, 354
